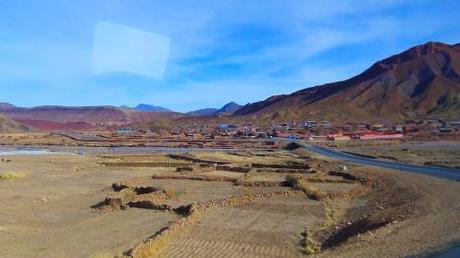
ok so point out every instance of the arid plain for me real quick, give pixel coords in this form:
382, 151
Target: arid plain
249, 203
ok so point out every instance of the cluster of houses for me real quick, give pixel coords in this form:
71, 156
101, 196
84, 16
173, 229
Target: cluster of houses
325, 130
310, 130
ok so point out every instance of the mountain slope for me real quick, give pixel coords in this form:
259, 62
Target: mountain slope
419, 82
227, 109
6, 106
8, 125
203, 112
91, 115
151, 108
51, 126
60, 114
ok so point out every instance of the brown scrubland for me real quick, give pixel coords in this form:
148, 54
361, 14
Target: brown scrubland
248, 203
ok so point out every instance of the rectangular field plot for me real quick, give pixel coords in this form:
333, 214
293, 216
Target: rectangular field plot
264, 228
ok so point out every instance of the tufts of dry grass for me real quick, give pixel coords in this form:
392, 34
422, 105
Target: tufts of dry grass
105, 254
153, 248
11, 175
292, 180
310, 191
170, 192
310, 246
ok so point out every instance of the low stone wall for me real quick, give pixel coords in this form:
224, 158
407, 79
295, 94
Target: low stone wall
257, 165
150, 205
348, 176
233, 169
184, 169
194, 160
142, 164
199, 178
261, 183
287, 171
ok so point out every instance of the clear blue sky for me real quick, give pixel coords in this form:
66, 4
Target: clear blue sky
220, 51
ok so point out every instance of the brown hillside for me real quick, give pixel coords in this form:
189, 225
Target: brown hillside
7, 125
93, 116
420, 82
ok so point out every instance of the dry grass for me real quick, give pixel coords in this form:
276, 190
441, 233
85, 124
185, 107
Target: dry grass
132, 159
153, 247
257, 157
170, 192
436, 156
11, 175
104, 254
292, 180
309, 190
309, 245
34, 138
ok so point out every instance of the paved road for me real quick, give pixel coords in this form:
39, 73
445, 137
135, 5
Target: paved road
449, 173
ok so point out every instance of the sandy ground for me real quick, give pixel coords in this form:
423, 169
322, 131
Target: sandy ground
446, 154
267, 228
433, 226
49, 211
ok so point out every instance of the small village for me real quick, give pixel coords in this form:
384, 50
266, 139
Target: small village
310, 130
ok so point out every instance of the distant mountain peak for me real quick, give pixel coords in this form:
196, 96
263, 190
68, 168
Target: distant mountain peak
426, 49
227, 109
230, 108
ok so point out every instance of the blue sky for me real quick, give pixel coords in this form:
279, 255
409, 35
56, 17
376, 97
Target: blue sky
220, 51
